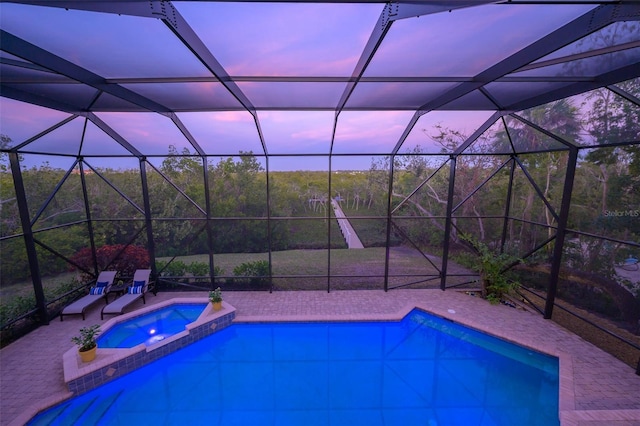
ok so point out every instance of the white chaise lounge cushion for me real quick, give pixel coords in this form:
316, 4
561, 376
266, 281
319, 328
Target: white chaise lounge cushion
104, 282
117, 306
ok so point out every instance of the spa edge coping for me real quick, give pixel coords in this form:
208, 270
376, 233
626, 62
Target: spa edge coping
74, 368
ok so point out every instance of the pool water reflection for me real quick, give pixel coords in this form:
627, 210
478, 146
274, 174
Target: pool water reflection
422, 370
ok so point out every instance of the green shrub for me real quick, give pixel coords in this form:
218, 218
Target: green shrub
492, 268
160, 264
14, 307
217, 271
177, 268
199, 269
255, 273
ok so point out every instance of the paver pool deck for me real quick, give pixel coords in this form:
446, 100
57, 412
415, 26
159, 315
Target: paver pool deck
595, 388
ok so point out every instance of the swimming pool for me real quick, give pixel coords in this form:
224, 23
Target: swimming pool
422, 370
152, 327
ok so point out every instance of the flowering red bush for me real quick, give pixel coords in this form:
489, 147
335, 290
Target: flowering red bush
117, 257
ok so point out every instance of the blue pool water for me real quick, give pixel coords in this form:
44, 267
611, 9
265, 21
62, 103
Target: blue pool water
151, 327
420, 371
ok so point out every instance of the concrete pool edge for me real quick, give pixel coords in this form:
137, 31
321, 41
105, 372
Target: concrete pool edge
603, 385
111, 363
567, 404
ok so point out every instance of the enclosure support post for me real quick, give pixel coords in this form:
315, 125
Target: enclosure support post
507, 208
388, 245
87, 212
561, 232
328, 218
447, 224
147, 220
269, 238
27, 231
207, 206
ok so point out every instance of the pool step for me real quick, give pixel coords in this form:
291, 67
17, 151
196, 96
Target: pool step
99, 408
51, 417
67, 415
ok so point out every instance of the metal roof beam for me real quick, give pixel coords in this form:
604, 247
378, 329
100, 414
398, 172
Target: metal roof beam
164, 10
131, 6
628, 96
113, 134
583, 55
30, 52
192, 41
445, 4
412, 9
612, 77
187, 134
31, 98
126, 7
575, 30
375, 39
571, 32
44, 132
394, 11
53, 78
479, 131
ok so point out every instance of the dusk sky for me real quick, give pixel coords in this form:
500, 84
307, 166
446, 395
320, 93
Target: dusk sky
259, 39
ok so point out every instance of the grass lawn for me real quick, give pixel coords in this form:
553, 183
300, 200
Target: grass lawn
314, 262
360, 268
356, 265
25, 288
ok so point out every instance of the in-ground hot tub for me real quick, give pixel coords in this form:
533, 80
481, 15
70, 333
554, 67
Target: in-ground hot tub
112, 362
152, 327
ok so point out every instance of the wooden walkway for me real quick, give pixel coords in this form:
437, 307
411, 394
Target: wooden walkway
349, 234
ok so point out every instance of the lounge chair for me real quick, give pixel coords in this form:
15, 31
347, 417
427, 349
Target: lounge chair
97, 292
134, 292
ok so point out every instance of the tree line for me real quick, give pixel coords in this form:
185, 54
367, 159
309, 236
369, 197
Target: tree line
604, 202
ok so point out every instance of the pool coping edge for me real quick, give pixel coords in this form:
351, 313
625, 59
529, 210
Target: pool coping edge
567, 401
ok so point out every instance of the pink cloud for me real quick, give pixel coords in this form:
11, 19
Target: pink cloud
283, 39
476, 43
150, 133
21, 121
